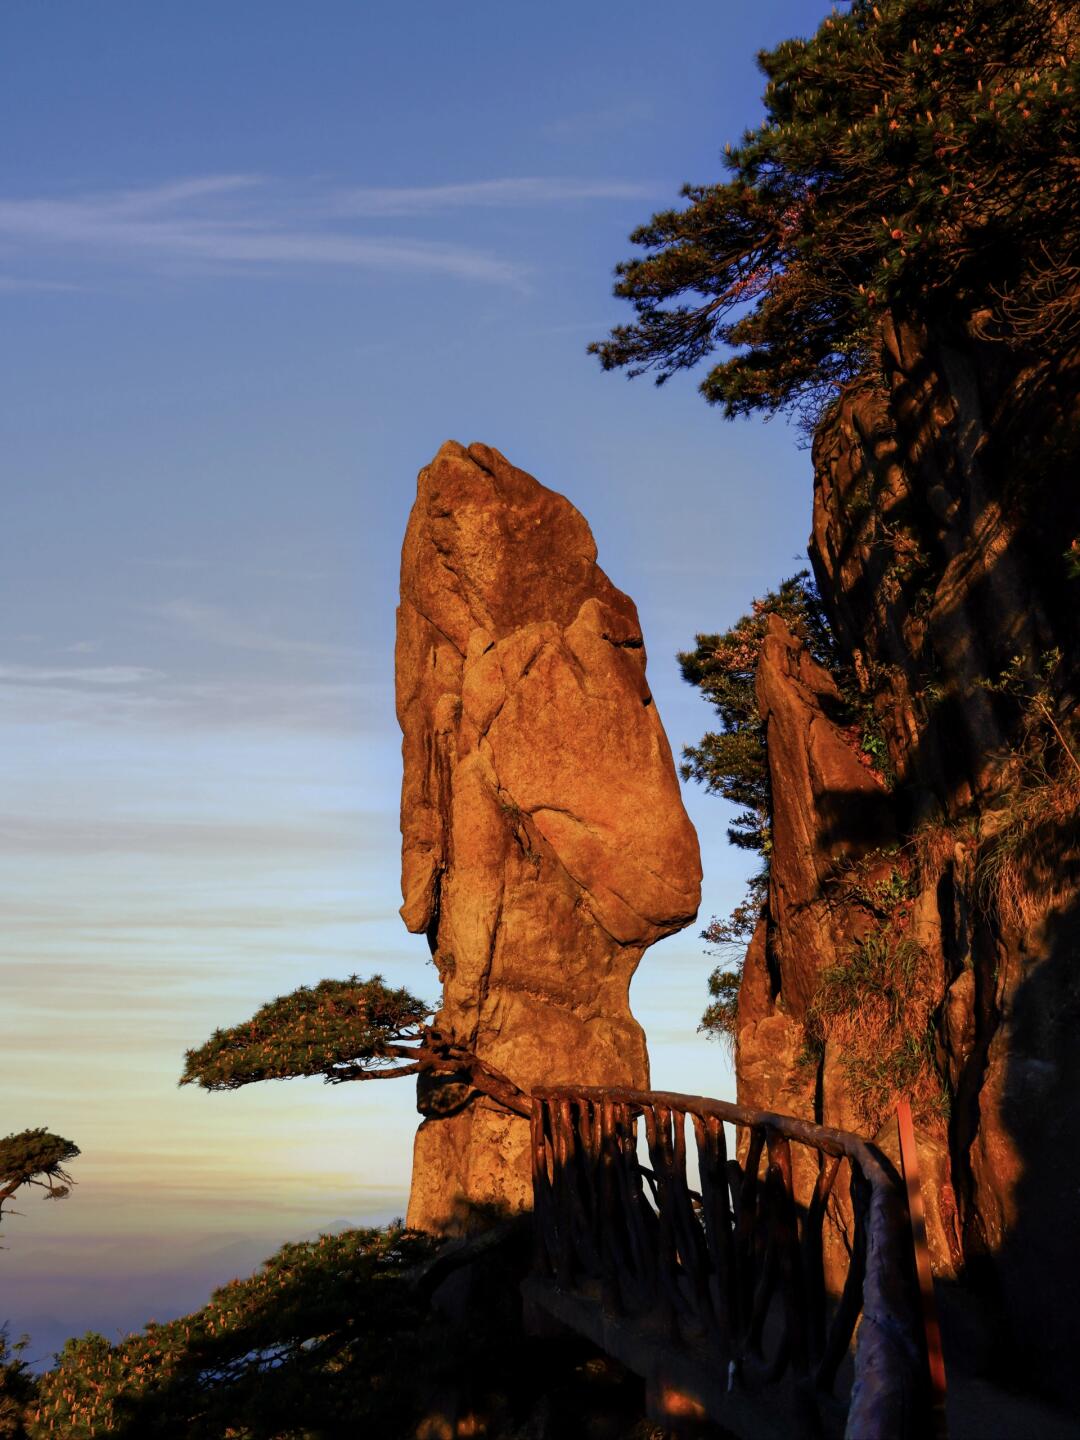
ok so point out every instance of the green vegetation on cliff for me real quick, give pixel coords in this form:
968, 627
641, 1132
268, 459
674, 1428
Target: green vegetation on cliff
731, 762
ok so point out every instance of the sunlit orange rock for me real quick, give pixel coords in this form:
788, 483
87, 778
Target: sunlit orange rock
544, 841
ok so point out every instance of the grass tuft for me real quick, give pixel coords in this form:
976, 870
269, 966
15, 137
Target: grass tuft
877, 1008
1031, 863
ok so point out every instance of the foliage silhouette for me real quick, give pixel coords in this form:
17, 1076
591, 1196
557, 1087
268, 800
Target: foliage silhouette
35, 1157
916, 156
340, 1337
17, 1388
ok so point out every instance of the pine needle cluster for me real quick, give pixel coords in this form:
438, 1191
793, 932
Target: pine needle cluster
339, 1029
310, 1344
917, 156
35, 1157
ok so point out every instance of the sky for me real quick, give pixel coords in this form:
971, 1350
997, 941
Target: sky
257, 261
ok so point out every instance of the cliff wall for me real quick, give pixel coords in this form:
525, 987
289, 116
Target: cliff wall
922, 931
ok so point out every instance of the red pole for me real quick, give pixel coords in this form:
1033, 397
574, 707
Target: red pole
909, 1163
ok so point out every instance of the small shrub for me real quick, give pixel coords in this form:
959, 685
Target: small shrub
877, 1009
721, 1017
1031, 861
1031, 864
730, 938
883, 897
17, 1387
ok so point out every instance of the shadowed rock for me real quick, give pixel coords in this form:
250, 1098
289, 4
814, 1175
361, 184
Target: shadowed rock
544, 840
938, 534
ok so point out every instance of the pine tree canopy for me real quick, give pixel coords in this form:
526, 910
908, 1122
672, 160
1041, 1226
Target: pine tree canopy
340, 1029
35, 1157
918, 156
311, 1344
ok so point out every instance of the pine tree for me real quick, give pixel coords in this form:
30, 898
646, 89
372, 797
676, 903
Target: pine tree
36, 1158
916, 155
343, 1030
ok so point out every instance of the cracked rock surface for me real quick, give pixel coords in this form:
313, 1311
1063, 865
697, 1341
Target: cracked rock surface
544, 841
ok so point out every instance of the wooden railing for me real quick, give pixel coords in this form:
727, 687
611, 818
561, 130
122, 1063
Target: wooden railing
736, 1269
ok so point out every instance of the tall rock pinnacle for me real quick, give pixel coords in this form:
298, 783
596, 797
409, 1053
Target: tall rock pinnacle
544, 841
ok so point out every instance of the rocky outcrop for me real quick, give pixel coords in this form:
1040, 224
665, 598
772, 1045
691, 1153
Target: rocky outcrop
826, 808
828, 811
941, 514
544, 840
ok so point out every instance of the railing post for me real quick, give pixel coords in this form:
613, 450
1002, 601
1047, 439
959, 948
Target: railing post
542, 1218
713, 1261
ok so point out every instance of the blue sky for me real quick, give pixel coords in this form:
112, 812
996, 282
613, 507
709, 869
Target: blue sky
257, 262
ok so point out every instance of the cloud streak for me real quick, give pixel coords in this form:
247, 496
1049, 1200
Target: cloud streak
42, 697
186, 221
101, 835
509, 193
79, 676
214, 626
25, 284
608, 120
245, 222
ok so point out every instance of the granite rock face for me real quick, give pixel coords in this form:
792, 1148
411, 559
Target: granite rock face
827, 808
938, 529
827, 812
544, 841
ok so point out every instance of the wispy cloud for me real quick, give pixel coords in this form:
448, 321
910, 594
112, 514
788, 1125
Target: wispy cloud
185, 563
25, 284
606, 120
342, 696
139, 915
151, 199
198, 221
246, 222
80, 675
216, 626
99, 835
41, 698
509, 193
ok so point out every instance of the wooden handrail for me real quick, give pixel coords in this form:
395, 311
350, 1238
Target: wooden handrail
739, 1263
